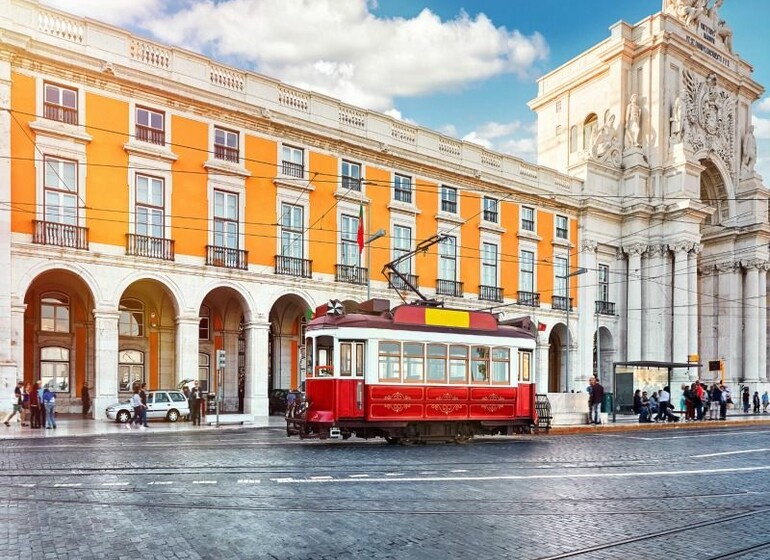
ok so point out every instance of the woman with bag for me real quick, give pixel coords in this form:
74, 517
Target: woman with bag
49, 401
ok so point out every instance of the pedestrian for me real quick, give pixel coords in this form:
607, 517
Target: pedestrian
696, 394
195, 404
17, 399
85, 397
143, 396
186, 391
136, 404
755, 402
645, 415
49, 401
715, 398
727, 400
665, 406
34, 407
41, 408
653, 404
597, 394
25, 391
637, 407
765, 401
689, 405
745, 399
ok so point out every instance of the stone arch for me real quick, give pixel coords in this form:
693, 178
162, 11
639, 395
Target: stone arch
250, 307
590, 126
717, 190
557, 359
30, 275
288, 316
169, 285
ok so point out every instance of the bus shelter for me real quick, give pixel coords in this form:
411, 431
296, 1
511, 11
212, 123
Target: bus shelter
643, 375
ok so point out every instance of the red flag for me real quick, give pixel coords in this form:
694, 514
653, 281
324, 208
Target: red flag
361, 229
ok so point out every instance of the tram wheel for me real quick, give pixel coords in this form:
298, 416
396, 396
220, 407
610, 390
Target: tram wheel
462, 439
407, 441
392, 440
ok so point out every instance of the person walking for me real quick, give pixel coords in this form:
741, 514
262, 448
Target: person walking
49, 402
597, 394
755, 402
136, 403
765, 401
745, 400
195, 405
16, 411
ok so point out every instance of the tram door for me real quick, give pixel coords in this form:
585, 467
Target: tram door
350, 392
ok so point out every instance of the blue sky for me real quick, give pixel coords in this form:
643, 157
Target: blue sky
464, 67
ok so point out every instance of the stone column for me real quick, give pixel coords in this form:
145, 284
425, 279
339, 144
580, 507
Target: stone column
255, 398
17, 336
730, 319
105, 360
654, 304
634, 329
708, 342
681, 302
751, 366
692, 292
186, 347
586, 313
763, 371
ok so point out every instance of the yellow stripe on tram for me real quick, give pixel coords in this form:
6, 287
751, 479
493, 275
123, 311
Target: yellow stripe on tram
447, 318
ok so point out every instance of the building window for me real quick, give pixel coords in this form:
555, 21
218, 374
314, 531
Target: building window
349, 238
61, 191
55, 368
561, 227
527, 271
60, 104
560, 277
402, 243
490, 210
130, 369
150, 126
204, 371
573, 139
590, 126
402, 188
55, 313
447, 263
604, 282
448, 200
558, 106
131, 322
226, 145
527, 218
351, 176
293, 161
150, 206
292, 234
204, 323
489, 264
225, 220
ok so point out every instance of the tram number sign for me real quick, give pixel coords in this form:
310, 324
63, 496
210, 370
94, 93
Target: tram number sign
221, 359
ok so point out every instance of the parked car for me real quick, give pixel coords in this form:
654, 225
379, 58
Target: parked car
163, 404
277, 401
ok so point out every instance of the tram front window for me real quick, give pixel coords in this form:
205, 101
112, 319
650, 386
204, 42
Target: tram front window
390, 361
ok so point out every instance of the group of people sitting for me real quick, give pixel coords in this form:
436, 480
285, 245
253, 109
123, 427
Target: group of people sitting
696, 401
656, 407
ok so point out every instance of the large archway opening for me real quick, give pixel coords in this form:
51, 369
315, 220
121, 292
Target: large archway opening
557, 344
288, 319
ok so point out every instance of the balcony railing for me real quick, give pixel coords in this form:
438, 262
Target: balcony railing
226, 153
226, 257
605, 307
398, 284
292, 169
351, 184
491, 293
61, 235
490, 216
293, 266
449, 288
530, 299
151, 135
560, 303
152, 247
351, 274
449, 206
60, 113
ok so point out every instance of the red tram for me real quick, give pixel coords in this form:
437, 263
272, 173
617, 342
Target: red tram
414, 373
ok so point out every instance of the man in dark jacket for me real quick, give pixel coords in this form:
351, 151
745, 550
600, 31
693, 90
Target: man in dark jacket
597, 395
195, 405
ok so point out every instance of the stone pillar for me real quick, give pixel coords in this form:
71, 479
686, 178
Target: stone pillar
681, 302
654, 305
255, 398
17, 337
541, 365
751, 366
709, 341
105, 360
634, 330
692, 316
763, 371
730, 319
586, 313
186, 346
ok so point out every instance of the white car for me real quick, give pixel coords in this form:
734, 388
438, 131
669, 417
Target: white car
168, 404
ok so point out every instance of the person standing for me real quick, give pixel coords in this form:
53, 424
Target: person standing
41, 408
195, 405
664, 400
745, 399
34, 407
597, 395
49, 402
186, 391
715, 398
85, 397
765, 401
755, 402
16, 411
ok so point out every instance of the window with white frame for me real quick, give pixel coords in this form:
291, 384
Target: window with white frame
527, 218
489, 265
150, 206
351, 176
55, 368
490, 210
60, 104
604, 282
204, 371
150, 126
448, 199
292, 231
402, 243
293, 161
349, 241
54, 312
402, 188
560, 276
130, 369
527, 271
131, 320
204, 323
447, 262
226, 145
60, 191
562, 223
226, 220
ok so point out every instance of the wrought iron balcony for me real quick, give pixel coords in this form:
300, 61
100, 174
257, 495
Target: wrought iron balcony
491, 293
293, 266
449, 288
351, 274
292, 169
226, 153
226, 257
605, 307
151, 135
60, 113
152, 247
560, 303
351, 183
398, 284
530, 299
61, 235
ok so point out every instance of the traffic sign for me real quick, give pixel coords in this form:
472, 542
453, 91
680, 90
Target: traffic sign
221, 359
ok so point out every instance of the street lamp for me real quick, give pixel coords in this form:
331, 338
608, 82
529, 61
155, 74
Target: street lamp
567, 276
372, 238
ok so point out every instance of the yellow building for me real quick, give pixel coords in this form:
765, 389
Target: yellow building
158, 206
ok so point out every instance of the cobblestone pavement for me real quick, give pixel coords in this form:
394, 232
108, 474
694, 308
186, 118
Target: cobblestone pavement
700, 493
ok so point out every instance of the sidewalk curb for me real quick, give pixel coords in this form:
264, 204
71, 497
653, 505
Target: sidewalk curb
668, 426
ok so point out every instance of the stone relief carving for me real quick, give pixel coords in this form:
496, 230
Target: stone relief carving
694, 12
677, 118
681, 246
710, 118
748, 153
637, 249
727, 267
605, 147
633, 122
656, 251
589, 245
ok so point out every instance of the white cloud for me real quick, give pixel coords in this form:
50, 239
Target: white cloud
336, 47
764, 105
761, 127
502, 137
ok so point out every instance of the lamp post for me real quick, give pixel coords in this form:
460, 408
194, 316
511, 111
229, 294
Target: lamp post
372, 238
567, 276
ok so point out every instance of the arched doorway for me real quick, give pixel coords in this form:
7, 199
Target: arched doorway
288, 319
603, 356
556, 362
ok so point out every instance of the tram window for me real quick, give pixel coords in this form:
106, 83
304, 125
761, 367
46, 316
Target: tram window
525, 366
346, 359
501, 358
358, 368
436, 363
414, 361
480, 364
390, 361
458, 364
